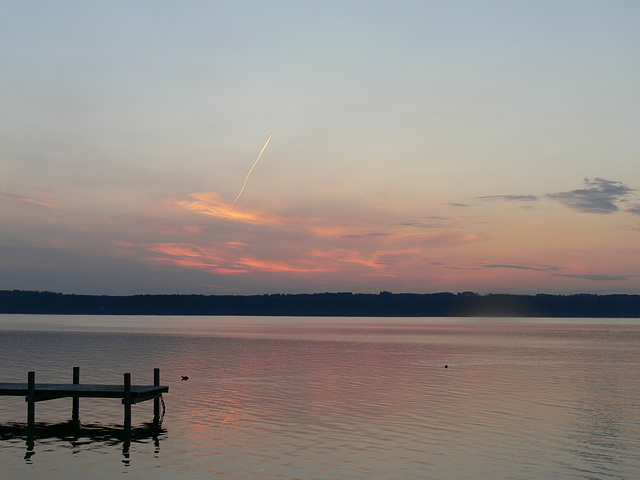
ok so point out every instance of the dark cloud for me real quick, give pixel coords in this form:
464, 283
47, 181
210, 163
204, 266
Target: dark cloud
368, 235
510, 198
635, 209
598, 196
453, 204
519, 266
599, 278
433, 221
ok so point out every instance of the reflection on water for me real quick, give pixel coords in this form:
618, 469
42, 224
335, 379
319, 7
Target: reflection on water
337, 398
82, 436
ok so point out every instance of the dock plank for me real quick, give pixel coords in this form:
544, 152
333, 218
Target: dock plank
55, 390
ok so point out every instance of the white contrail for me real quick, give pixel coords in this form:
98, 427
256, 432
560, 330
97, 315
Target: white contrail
251, 170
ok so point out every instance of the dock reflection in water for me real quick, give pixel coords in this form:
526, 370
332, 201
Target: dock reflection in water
83, 436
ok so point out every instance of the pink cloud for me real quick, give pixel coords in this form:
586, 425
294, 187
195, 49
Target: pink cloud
246, 241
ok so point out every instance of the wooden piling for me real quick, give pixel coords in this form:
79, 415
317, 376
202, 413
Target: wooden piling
127, 400
75, 414
156, 401
31, 399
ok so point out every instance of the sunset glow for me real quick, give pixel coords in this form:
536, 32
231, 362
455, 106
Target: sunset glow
417, 147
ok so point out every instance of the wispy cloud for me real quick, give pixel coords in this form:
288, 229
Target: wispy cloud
522, 266
300, 266
36, 202
598, 196
510, 198
372, 260
225, 258
553, 270
598, 278
366, 235
433, 221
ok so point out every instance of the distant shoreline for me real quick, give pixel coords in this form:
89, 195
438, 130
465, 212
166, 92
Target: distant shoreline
383, 304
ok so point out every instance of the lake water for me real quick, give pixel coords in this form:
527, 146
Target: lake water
330, 398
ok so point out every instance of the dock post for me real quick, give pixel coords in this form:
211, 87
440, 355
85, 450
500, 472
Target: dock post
127, 401
31, 399
75, 413
156, 401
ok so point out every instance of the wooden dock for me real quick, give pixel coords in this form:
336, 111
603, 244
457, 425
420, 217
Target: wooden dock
130, 394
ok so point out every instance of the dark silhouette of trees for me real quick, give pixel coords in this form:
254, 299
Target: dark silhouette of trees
384, 304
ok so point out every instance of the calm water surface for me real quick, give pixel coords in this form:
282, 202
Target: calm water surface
340, 398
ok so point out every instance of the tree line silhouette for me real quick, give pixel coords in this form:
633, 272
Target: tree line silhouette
383, 304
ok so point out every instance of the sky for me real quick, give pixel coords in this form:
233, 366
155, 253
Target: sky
417, 146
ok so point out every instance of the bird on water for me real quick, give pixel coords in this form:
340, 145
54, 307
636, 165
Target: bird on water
184, 377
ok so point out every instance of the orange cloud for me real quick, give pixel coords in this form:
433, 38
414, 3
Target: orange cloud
351, 256
185, 255
325, 229
226, 271
272, 266
183, 262
180, 250
209, 203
